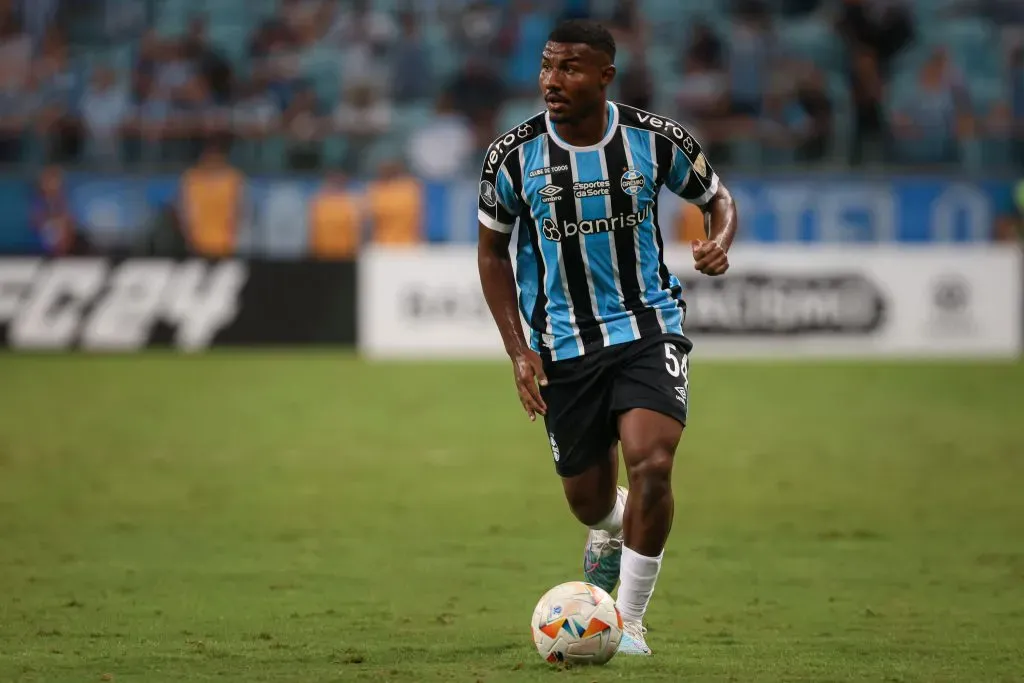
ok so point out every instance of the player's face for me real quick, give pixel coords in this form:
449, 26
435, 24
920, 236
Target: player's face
573, 79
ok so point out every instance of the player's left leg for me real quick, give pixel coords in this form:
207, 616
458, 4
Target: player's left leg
649, 441
651, 401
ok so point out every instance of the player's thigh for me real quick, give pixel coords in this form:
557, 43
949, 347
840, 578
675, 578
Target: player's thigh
581, 428
651, 398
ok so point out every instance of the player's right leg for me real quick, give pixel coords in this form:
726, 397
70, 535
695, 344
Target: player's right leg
583, 443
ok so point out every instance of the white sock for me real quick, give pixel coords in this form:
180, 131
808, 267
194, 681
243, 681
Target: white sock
638, 574
613, 522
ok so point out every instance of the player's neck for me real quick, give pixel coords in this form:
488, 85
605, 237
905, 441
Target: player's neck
587, 131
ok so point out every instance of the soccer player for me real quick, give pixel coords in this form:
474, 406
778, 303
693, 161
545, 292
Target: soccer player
606, 360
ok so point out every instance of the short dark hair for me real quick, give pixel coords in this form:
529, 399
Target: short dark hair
584, 31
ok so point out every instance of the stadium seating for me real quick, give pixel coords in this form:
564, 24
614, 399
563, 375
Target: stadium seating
810, 38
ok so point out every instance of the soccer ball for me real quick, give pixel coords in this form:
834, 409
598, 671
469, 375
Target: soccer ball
577, 622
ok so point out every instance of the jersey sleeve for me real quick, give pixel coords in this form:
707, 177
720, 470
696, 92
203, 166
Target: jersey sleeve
499, 204
690, 175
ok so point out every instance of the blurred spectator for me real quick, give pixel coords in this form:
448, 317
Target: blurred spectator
395, 200
414, 76
304, 127
479, 32
798, 8
812, 97
785, 125
257, 113
279, 68
57, 90
1002, 12
627, 24
150, 53
444, 148
477, 93
52, 219
38, 16
531, 24
703, 94
210, 200
576, 9
173, 70
636, 87
933, 114
867, 88
751, 59
1015, 78
300, 18
15, 49
363, 116
208, 62
365, 37
105, 108
195, 117
884, 27
335, 219
16, 110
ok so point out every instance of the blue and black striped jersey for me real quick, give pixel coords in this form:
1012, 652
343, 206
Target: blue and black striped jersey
590, 255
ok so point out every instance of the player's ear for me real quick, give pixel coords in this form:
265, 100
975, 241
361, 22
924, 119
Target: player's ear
608, 75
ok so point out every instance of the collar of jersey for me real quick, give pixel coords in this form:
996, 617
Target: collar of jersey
613, 121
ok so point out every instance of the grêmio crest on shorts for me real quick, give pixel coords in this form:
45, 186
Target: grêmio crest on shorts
589, 252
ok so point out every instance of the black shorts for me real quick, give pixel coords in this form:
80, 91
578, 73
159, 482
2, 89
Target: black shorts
586, 395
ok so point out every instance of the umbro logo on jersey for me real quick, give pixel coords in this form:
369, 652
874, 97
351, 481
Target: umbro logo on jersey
550, 193
681, 394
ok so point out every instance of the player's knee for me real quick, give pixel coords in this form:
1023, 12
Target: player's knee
651, 474
655, 466
589, 507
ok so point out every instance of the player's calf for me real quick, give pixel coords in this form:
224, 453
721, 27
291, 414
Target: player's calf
650, 508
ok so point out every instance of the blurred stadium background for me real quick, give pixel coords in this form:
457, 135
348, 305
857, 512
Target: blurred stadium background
286, 190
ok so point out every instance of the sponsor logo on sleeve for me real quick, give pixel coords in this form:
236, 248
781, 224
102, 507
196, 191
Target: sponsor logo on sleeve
700, 165
488, 194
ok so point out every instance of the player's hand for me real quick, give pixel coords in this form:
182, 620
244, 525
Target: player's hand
529, 370
709, 257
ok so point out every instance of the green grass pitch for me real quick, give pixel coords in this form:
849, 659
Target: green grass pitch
311, 517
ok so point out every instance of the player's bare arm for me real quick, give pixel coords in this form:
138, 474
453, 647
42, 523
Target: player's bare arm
499, 285
711, 256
